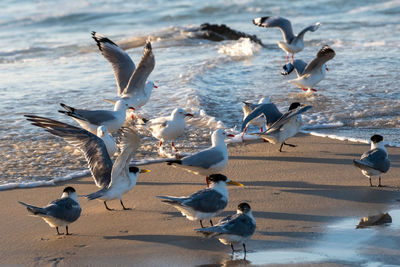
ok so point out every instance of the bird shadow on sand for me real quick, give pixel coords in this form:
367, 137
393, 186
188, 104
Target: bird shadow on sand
295, 216
168, 183
296, 159
187, 242
352, 193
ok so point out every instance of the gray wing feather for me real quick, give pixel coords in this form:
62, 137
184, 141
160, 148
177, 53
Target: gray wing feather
283, 24
249, 106
64, 208
238, 224
96, 117
376, 159
311, 28
206, 201
146, 65
299, 65
325, 54
270, 111
120, 61
204, 159
92, 147
287, 116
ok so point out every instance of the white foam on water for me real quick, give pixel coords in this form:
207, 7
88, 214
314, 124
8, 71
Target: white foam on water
239, 49
25, 184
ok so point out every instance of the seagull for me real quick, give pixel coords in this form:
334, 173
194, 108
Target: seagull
121, 177
236, 228
113, 179
264, 110
206, 203
292, 44
248, 107
169, 128
286, 126
65, 130
131, 81
92, 119
208, 161
60, 212
375, 161
314, 71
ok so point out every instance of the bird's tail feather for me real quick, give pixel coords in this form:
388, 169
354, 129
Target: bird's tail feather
32, 209
170, 200
209, 231
96, 194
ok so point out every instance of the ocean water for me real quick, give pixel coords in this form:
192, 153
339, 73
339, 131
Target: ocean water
47, 56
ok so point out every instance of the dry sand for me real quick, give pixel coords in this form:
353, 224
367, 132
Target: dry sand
295, 195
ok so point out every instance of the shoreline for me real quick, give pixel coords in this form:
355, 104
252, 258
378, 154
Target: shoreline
86, 172
294, 196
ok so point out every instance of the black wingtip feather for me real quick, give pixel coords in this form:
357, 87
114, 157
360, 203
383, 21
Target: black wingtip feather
100, 40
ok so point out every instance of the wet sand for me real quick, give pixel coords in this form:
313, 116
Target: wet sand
297, 197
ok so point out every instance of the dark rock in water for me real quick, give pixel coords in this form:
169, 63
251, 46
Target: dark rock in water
217, 33
374, 220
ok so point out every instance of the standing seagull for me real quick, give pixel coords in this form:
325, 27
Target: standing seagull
236, 228
91, 119
123, 177
206, 203
169, 128
374, 162
60, 212
286, 126
292, 44
314, 71
59, 128
131, 82
208, 161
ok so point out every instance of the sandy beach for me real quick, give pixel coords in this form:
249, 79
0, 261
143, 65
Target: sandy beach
306, 201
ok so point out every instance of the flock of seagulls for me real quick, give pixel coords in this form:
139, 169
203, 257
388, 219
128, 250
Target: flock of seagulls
114, 179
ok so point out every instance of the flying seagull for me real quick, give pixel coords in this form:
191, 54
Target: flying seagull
313, 72
131, 81
292, 43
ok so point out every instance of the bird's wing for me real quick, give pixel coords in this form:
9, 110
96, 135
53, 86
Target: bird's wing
376, 159
287, 116
326, 53
311, 28
239, 225
270, 111
138, 79
205, 158
248, 107
96, 117
277, 22
206, 200
65, 209
299, 65
129, 142
92, 147
121, 62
